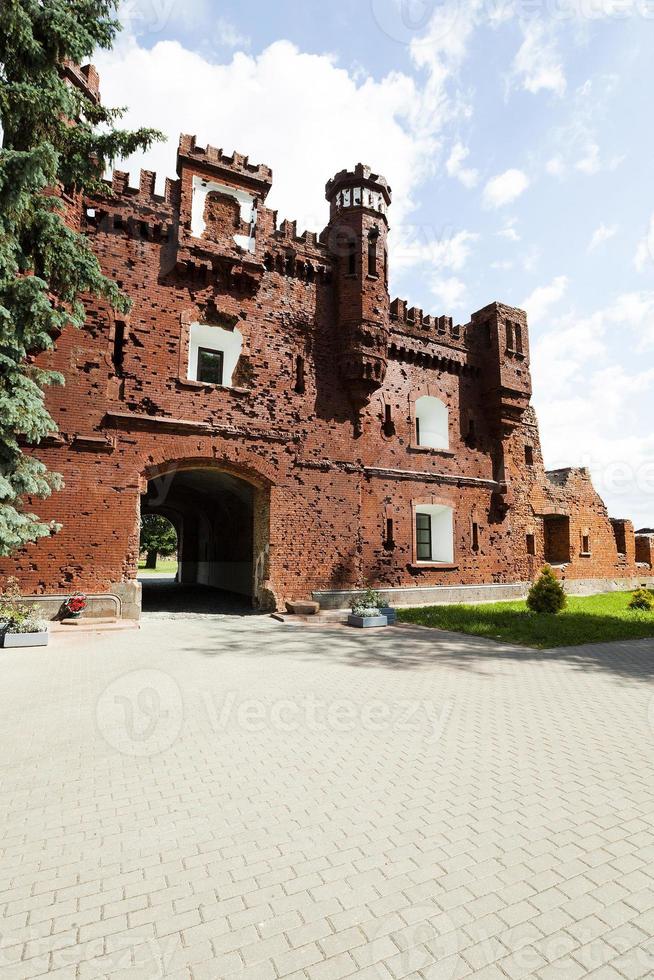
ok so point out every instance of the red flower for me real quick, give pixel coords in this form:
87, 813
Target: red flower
76, 603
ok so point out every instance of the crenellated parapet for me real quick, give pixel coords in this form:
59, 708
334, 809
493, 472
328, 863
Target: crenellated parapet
135, 212
236, 166
412, 321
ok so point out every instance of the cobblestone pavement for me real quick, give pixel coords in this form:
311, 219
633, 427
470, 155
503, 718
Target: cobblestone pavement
238, 798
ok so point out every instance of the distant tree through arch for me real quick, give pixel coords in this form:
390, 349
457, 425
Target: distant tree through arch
158, 537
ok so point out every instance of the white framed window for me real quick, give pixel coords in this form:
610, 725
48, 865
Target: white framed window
434, 533
213, 353
432, 423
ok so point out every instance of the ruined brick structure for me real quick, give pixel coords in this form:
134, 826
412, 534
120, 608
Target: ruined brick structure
305, 434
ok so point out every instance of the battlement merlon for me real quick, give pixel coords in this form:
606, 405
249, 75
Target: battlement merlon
235, 168
83, 77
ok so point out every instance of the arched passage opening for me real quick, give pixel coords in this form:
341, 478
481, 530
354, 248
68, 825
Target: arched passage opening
222, 522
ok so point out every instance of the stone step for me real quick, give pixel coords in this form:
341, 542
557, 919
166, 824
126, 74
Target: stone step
93, 624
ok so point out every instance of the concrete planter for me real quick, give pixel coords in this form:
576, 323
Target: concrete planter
25, 639
389, 613
365, 622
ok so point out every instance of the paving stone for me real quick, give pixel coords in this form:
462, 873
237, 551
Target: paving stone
375, 853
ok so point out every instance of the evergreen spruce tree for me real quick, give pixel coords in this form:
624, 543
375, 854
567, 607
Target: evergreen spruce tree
56, 142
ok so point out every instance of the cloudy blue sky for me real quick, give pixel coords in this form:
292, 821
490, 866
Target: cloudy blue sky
517, 136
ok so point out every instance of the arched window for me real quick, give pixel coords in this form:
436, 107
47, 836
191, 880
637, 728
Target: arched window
432, 423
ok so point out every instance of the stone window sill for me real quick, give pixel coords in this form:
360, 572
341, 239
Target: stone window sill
585, 554
442, 566
431, 449
208, 386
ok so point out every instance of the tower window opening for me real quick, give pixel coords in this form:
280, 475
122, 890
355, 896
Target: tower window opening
351, 257
300, 383
531, 544
529, 455
389, 427
390, 540
372, 252
118, 353
517, 331
475, 536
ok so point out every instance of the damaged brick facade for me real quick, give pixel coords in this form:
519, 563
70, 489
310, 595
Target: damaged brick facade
352, 441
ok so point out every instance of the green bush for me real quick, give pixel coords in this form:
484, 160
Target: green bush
642, 599
367, 603
546, 594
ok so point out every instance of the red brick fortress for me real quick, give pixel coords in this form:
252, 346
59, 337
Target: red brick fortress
306, 435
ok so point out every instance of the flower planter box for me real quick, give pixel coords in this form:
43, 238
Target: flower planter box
365, 622
25, 639
389, 613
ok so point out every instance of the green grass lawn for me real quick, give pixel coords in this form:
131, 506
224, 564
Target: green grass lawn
167, 565
591, 619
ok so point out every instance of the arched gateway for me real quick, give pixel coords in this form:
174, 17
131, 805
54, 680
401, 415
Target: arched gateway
222, 518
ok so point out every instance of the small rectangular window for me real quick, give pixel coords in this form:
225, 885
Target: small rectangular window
517, 330
210, 366
300, 384
585, 544
390, 540
531, 544
372, 255
417, 431
423, 537
475, 536
118, 353
509, 336
529, 455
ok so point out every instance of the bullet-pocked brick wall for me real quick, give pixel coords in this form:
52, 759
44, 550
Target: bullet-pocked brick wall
319, 420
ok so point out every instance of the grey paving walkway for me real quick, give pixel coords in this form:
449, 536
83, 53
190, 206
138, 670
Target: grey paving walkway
237, 798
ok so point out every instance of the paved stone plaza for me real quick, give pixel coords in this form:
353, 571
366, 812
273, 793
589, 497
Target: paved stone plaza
231, 797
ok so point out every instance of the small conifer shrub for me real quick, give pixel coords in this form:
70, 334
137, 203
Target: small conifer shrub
642, 599
546, 594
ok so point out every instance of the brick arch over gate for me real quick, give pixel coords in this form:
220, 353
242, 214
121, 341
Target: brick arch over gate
220, 506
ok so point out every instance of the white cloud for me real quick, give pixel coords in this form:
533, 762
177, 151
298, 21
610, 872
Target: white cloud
555, 166
644, 257
468, 176
416, 246
192, 18
594, 410
538, 303
537, 63
589, 163
169, 87
601, 234
508, 232
505, 188
449, 291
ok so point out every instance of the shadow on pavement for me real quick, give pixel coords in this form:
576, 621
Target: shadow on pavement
163, 597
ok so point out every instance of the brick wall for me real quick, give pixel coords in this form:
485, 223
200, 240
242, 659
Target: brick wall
328, 469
